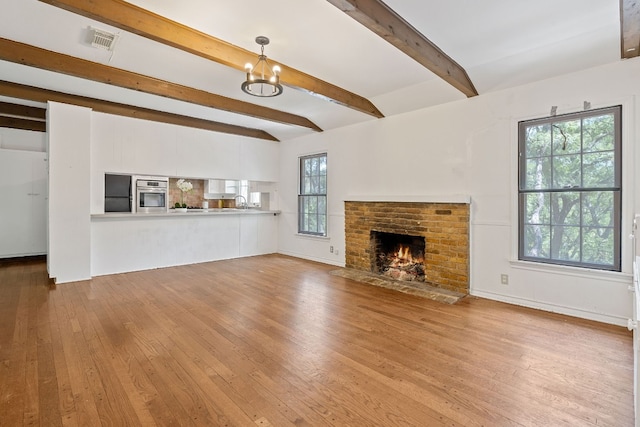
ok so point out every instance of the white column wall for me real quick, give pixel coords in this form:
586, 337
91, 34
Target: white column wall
69, 243
469, 147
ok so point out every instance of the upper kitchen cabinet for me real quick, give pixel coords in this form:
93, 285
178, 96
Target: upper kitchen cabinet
23, 211
202, 154
131, 146
259, 161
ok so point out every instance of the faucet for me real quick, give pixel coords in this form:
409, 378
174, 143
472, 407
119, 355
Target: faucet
245, 205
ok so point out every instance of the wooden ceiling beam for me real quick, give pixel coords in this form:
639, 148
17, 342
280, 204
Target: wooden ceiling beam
32, 56
142, 22
629, 28
382, 20
23, 124
10, 109
18, 91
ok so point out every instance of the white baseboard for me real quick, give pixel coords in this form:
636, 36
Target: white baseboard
553, 308
337, 263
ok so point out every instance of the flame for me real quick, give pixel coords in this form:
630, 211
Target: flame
404, 257
404, 253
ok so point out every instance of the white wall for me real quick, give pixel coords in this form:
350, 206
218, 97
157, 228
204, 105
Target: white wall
133, 146
469, 147
69, 255
27, 140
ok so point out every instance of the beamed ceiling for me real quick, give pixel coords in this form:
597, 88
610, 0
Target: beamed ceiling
343, 61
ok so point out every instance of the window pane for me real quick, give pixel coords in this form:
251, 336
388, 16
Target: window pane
566, 137
537, 241
598, 133
307, 167
599, 169
565, 243
310, 207
597, 209
538, 173
537, 208
322, 204
302, 223
322, 224
322, 186
597, 245
566, 171
538, 140
565, 208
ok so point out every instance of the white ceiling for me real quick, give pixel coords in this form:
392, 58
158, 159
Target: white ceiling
500, 43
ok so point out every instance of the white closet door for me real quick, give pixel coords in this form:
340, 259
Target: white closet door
22, 203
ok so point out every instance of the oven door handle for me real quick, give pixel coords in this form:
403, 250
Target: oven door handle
151, 190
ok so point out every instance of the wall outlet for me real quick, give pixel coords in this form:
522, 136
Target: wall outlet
331, 249
504, 279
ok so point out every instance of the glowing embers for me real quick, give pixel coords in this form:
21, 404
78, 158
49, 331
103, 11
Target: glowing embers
398, 256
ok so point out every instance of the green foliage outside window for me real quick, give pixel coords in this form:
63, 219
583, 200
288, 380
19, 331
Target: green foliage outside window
569, 189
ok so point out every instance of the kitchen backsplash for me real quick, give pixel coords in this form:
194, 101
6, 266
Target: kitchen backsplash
191, 198
195, 197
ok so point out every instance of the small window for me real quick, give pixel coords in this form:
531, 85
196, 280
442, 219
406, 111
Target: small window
312, 195
570, 189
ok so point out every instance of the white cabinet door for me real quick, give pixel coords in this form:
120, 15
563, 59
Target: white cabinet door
258, 234
267, 234
248, 235
22, 203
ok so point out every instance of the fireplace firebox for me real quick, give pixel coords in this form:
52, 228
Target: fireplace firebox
398, 256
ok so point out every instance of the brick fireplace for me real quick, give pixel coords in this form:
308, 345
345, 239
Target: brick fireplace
444, 227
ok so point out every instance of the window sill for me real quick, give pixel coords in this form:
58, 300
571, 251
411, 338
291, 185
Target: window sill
589, 273
312, 237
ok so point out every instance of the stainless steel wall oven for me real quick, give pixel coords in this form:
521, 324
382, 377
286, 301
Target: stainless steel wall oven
152, 194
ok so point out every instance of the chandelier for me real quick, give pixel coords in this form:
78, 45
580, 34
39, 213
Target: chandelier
262, 79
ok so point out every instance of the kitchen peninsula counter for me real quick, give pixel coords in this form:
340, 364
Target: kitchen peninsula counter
124, 242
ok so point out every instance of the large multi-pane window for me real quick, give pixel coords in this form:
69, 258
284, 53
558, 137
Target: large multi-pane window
570, 189
312, 196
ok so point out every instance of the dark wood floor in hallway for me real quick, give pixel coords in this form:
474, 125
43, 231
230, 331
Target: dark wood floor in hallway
277, 341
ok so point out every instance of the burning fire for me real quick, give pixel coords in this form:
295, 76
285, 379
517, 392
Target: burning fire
404, 252
403, 257
401, 264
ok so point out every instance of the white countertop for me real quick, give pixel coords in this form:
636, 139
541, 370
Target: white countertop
189, 213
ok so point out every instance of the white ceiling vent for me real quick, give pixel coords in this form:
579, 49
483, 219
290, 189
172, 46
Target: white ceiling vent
102, 39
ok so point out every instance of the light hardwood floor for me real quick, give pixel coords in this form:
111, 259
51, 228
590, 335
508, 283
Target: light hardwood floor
277, 341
